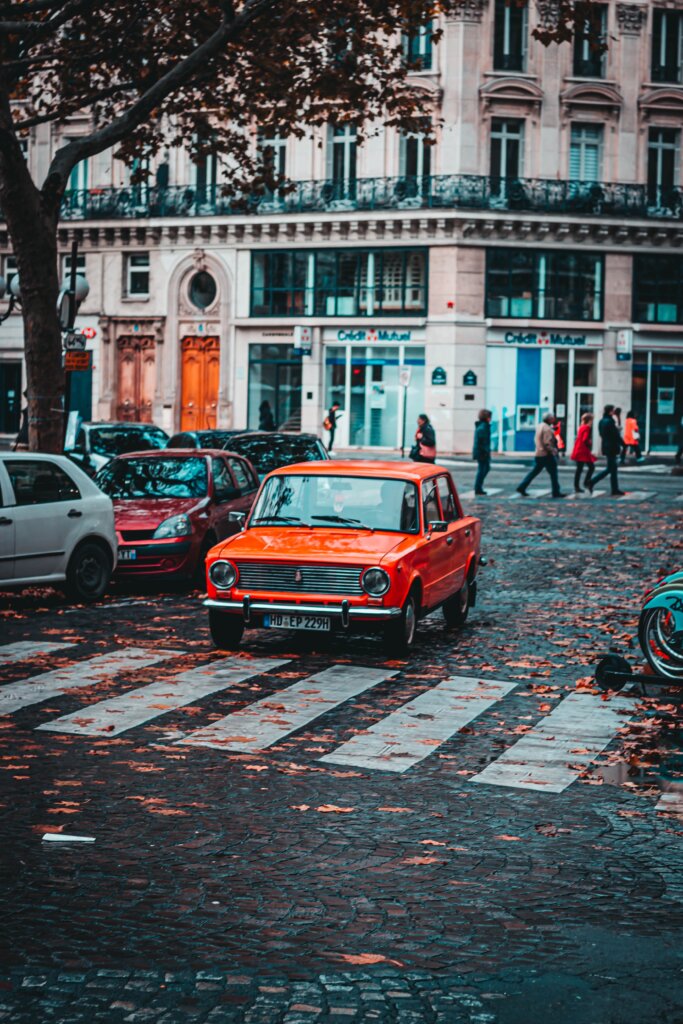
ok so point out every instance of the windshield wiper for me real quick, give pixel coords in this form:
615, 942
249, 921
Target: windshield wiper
278, 519
356, 524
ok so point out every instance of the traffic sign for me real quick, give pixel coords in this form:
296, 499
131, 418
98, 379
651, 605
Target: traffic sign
76, 360
74, 341
404, 376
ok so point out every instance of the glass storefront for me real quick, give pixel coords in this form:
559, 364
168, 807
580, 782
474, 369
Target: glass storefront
657, 397
364, 379
275, 377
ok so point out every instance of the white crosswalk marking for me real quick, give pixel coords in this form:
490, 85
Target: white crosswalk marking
586, 496
24, 649
37, 689
490, 492
263, 723
416, 729
118, 714
637, 496
534, 492
553, 754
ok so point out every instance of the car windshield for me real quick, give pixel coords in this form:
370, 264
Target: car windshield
119, 440
154, 478
271, 451
333, 502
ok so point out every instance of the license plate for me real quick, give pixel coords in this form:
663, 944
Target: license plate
318, 623
127, 554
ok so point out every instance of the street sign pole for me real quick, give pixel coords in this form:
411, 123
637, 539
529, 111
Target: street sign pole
404, 381
69, 326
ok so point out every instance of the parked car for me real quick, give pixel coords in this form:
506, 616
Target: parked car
203, 438
341, 544
97, 443
172, 506
56, 526
269, 450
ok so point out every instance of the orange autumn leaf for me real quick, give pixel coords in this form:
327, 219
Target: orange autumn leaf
509, 839
300, 807
333, 809
423, 860
367, 958
396, 810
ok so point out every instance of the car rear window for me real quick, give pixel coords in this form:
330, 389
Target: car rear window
270, 451
35, 482
154, 478
119, 440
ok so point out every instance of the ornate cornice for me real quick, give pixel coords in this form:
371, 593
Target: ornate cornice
631, 18
114, 327
468, 10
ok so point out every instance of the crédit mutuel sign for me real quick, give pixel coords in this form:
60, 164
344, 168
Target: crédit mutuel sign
541, 339
374, 336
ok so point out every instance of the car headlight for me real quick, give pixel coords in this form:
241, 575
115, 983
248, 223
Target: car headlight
375, 581
175, 526
223, 574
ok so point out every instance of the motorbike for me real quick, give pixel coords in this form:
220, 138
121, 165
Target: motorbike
660, 629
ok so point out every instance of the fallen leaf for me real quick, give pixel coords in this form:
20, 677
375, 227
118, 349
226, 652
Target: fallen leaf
333, 809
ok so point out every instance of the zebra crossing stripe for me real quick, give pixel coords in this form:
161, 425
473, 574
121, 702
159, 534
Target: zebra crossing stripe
136, 707
263, 723
637, 496
25, 649
490, 492
37, 689
534, 492
416, 729
564, 743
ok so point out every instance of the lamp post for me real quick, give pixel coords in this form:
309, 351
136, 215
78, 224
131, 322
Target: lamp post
14, 296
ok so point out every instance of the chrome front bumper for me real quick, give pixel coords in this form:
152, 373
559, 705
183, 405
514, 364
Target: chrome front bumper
344, 611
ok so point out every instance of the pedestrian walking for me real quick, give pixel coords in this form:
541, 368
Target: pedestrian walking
481, 450
557, 430
616, 416
330, 422
265, 417
582, 453
611, 446
424, 449
631, 438
545, 457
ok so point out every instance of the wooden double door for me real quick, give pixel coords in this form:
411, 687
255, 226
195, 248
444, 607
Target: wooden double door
136, 378
199, 382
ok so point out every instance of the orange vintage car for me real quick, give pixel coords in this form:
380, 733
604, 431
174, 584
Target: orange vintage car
342, 545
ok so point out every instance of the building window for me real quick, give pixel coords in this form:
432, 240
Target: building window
658, 289
205, 175
507, 153
544, 285
66, 266
10, 269
667, 46
272, 150
510, 32
585, 152
341, 162
662, 165
417, 49
415, 165
348, 282
589, 43
137, 274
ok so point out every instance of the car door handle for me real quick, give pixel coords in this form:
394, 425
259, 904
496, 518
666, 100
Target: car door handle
73, 513
449, 540
4, 521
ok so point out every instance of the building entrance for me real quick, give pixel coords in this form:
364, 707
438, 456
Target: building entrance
199, 382
136, 378
10, 397
275, 378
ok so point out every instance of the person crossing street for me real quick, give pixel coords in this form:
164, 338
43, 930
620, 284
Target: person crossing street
611, 447
481, 450
545, 457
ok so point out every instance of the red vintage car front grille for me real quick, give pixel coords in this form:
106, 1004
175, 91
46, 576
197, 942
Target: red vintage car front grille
288, 577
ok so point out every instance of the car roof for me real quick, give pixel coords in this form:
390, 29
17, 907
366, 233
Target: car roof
275, 433
118, 425
37, 455
414, 471
172, 453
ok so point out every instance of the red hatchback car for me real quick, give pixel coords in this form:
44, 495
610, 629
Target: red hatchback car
172, 506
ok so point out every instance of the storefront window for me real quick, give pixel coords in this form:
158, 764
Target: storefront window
275, 378
657, 398
544, 286
658, 289
348, 282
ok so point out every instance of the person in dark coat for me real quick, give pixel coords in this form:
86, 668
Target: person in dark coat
611, 447
330, 422
481, 450
265, 417
424, 449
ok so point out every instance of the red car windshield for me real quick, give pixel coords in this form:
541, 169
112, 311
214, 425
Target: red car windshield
353, 502
154, 478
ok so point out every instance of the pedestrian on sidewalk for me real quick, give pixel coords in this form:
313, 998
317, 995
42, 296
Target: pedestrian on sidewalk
330, 422
481, 450
616, 416
582, 453
557, 430
424, 449
611, 446
631, 438
545, 457
265, 416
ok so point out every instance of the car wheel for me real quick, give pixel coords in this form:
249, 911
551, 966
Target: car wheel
226, 630
399, 635
661, 644
456, 608
88, 572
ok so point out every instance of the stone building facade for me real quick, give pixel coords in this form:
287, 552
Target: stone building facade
531, 259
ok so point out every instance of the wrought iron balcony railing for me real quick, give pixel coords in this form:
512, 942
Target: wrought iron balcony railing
443, 192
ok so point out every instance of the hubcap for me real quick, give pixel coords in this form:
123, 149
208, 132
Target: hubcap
89, 573
410, 622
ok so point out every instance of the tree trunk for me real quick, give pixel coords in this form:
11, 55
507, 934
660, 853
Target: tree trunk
32, 224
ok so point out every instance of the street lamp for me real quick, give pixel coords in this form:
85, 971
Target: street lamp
14, 295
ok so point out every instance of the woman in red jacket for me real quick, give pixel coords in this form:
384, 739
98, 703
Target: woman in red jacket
582, 454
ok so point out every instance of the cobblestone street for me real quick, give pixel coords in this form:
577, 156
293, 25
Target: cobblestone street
504, 861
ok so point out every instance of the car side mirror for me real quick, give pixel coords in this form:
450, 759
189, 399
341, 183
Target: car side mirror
437, 526
237, 517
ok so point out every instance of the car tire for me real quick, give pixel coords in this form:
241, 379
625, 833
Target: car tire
399, 635
226, 630
88, 572
456, 608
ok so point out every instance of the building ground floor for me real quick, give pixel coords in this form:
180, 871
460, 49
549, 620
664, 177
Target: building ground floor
382, 377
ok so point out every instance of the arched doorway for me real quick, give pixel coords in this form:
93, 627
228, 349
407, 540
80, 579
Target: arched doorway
200, 365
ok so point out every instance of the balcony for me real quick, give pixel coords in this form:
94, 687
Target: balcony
438, 192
